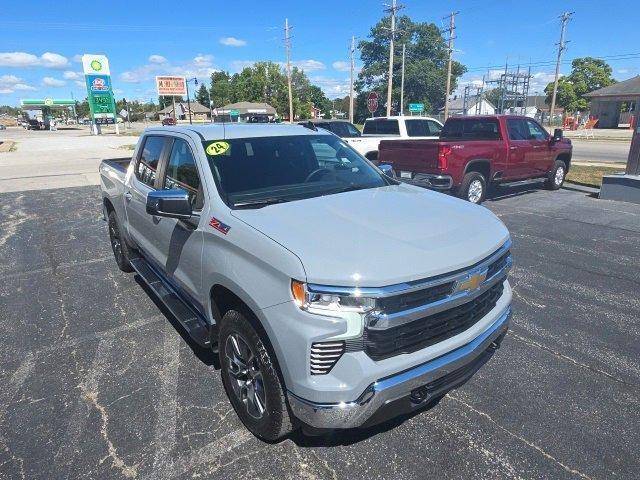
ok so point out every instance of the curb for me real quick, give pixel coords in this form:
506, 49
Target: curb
579, 187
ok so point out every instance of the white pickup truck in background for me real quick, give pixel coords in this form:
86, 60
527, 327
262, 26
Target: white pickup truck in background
377, 129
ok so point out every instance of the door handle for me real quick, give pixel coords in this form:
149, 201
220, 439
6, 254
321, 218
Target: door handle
128, 196
513, 148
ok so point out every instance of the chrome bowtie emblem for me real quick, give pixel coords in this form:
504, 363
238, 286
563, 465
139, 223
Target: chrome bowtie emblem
471, 281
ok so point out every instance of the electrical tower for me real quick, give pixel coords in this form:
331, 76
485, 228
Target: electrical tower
353, 65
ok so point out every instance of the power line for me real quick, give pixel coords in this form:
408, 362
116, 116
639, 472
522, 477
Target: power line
451, 29
287, 44
392, 9
562, 45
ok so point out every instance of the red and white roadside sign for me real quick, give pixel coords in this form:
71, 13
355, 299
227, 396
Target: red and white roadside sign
372, 102
175, 86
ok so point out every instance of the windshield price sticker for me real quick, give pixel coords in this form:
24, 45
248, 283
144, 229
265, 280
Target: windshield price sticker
217, 148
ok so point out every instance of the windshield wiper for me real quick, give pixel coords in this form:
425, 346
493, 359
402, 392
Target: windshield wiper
260, 203
350, 188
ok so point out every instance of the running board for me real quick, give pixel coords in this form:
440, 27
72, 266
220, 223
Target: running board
187, 316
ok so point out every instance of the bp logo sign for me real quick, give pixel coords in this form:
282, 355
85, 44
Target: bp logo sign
96, 65
48, 102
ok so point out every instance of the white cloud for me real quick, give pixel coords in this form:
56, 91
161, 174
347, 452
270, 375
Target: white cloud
239, 65
157, 59
332, 87
233, 42
201, 66
622, 71
341, 66
77, 58
11, 83
309, 65
53, 82
71, 75
23, 59
80, 83
53, 60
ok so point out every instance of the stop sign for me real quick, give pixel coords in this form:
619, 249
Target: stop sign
372, 102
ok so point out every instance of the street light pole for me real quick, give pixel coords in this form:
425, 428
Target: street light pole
195, 84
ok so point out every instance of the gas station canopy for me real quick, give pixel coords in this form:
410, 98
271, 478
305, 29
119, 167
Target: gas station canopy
47, 102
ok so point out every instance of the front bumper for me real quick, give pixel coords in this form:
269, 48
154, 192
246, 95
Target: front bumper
406, 391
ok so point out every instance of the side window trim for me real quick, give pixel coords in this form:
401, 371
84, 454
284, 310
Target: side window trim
163, 153
199, 199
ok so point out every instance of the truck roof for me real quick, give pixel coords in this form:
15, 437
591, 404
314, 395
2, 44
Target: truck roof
218, 131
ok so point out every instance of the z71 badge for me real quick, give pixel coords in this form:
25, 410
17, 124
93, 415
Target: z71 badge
218, 225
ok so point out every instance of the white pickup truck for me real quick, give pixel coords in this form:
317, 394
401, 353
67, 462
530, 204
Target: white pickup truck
393, 128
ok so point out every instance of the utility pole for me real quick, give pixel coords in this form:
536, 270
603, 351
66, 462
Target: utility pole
402, 82
564, 19
392, 9
452, 27
353, 65
287, 44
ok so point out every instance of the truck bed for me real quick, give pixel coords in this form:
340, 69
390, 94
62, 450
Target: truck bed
119, 164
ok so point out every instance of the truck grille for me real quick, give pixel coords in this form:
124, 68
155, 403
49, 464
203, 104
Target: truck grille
429, 330
324, 356
405, 301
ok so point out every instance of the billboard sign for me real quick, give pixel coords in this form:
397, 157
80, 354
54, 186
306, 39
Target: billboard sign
171, 86
99, 92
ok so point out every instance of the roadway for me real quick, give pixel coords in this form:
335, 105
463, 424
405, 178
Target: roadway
600, 151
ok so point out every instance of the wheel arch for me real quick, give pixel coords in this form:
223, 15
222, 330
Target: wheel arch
566, 158
481, 166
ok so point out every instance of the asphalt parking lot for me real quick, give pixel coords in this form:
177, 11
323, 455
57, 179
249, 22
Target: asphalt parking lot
98, 383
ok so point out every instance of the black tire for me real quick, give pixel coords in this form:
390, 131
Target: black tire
259, 380
121, 250
468, 190
556, 177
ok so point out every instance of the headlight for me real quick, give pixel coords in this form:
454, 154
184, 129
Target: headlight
307, 300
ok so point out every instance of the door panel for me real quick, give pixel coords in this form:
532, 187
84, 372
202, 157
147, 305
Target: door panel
520, 164
541, 150
140, 224
180, 242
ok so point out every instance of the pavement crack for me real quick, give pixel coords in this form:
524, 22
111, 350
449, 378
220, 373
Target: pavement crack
562, 356
530, 444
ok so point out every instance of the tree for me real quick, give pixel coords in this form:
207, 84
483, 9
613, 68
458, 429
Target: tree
221, 89
425, 68
202, 95
587, 74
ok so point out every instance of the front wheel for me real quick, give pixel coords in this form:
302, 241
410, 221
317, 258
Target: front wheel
121, 250
556, 177
251, 380
473, 188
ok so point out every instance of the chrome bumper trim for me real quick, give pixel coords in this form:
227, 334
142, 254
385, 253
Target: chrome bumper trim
355, 413
436, 182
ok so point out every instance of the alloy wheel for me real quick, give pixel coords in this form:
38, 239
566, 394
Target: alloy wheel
559, 177
475, 191
116, 243
245, 376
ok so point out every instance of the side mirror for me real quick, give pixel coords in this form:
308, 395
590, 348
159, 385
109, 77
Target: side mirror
387, 170
557, 135
169, 203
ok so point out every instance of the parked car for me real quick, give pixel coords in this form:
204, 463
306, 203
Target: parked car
33, 124
2, 127
393, 128
329, 296
476, 152
168, 121
341, 128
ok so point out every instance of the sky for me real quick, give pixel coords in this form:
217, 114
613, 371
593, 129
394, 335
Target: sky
41, 41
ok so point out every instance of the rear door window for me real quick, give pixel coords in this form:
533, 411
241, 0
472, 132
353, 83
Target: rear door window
147, 167
471, 129
381, 127
417, 128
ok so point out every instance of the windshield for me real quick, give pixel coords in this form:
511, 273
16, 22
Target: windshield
255, 172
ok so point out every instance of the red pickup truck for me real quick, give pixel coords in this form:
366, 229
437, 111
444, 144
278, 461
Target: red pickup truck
476, 152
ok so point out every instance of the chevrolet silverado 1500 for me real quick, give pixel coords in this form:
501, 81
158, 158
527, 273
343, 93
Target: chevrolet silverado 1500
476, 152
334, 296
391, 129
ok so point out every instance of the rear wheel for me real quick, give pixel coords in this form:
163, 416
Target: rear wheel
473, 188
556, 177
251, 380
121, 250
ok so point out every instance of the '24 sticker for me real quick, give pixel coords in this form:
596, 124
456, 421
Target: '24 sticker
217, 148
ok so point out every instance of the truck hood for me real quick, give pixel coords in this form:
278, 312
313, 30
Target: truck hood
381, 236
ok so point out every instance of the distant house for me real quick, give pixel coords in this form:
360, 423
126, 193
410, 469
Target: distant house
198, 111
474, 106
248, 111
616, 104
